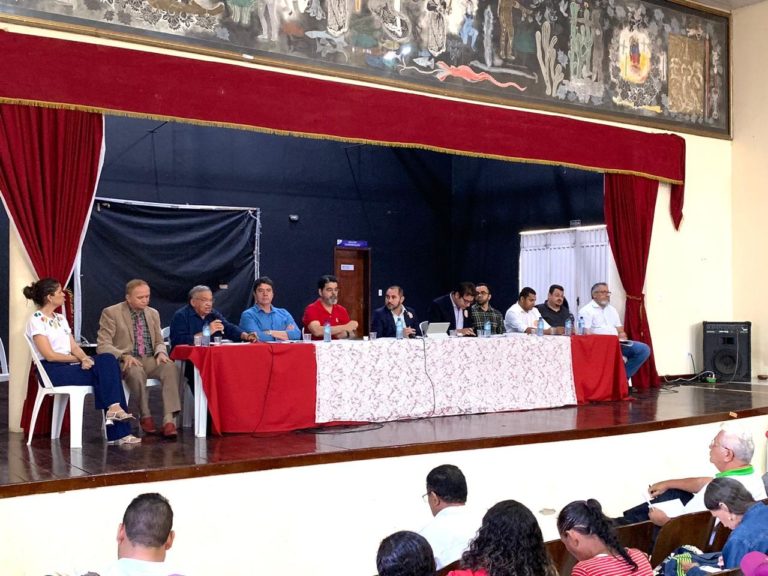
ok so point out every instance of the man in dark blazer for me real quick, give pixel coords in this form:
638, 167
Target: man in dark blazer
384, 318
453, 308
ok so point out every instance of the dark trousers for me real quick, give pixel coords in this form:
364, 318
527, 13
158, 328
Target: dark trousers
107, 384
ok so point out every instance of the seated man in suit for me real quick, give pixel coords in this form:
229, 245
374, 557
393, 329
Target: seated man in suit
268, 322
454, 309
385, 318
523, 315
555, 311
189, 320
600, 317
131, 332
326, 309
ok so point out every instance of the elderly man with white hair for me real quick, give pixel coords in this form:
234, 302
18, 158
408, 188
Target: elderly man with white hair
731, 452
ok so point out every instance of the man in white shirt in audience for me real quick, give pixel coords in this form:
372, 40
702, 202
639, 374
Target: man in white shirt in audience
731, 453
602, 318
453, 525
143, 538
523, 316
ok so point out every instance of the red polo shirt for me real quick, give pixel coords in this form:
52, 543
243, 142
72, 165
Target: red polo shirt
316, 311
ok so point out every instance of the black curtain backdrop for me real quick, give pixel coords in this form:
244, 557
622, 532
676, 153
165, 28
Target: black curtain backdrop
431, 219
173, 249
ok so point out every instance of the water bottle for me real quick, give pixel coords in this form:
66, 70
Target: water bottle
580, 326
540, 327
399, 329
327, 331
568, 327
206, 334
487, 328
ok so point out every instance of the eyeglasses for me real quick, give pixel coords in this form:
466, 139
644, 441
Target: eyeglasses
425, 497
469, 300
482, 292
714, 444
603, 292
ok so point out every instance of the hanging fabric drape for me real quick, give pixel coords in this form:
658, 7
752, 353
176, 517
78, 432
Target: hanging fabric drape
630, 202
50, 160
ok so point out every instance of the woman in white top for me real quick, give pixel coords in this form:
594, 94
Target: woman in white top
67, 364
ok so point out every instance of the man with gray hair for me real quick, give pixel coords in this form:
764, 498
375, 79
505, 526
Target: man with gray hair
189, 321
602, 318
143, 538
731, 452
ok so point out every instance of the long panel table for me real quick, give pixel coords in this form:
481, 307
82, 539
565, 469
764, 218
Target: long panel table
271, 387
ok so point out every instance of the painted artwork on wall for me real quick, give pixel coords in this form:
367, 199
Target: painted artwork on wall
645, 62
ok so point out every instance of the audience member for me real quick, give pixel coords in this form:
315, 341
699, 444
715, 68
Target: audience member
554, 311
405, 554
385, 318
509, 542
268, 322
602, 318
67, 365
131, 332
732, 504
453, 525
523, 315
453, 308
327, 310
483, 312
589, 536
731, 452
143, 539
189, 320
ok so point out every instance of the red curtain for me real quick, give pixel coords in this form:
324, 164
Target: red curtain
49, 71
630, 202
49, 166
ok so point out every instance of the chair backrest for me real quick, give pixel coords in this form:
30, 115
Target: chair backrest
694, 529
3, 361
423, 327
639, 535
42, 375
166, 332
561, 558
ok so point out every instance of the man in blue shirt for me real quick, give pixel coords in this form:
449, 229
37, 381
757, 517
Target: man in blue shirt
188, 321
266, 321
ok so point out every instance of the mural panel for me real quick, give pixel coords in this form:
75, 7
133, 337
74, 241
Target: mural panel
634, 61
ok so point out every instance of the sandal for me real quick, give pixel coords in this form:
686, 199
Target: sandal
125, 440
117, 416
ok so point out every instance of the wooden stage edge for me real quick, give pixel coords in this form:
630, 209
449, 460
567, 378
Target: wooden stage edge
49, 466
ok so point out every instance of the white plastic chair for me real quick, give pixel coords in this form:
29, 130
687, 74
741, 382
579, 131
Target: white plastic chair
423, 327
4, 375
61, 394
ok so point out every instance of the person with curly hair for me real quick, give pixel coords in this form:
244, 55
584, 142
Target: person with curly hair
509, 543
589, 536
405, 553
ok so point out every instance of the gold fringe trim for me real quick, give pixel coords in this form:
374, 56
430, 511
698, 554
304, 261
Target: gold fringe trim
315, 136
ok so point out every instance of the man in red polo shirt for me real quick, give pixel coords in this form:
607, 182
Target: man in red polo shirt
325, 309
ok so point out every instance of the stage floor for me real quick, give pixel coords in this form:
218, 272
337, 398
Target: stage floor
50, 466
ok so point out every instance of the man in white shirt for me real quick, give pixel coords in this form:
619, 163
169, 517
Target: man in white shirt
523, 316
143, 538
454, 525
602, 318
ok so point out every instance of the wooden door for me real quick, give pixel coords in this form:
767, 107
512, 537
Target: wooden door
352, 266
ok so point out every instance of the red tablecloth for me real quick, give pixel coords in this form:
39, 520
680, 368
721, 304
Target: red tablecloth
271, 387
256, 387
598, 369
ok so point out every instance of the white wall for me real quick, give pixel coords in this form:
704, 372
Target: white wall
750, 176
328, 520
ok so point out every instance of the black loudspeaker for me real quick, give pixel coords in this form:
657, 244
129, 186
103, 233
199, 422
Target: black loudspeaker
728, 350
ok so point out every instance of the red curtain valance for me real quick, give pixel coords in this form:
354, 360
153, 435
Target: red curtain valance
47, 71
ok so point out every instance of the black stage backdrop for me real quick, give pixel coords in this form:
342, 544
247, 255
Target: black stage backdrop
431, 219
171, 248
